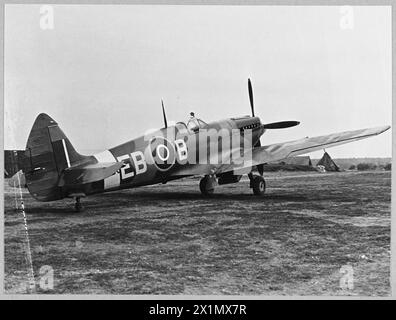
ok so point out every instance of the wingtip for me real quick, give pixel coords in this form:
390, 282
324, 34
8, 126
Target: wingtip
378, 130
384, 128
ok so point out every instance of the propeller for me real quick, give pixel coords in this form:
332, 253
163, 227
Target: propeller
163, 113
281, 124
251, 96
273, 125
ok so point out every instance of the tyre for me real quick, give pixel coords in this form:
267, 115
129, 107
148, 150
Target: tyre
78, 207
206, 185
258, 185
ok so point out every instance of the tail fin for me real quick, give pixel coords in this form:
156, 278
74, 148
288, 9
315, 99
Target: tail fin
48, 152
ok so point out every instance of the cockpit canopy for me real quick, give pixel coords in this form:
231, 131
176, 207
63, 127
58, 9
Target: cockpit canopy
194, 124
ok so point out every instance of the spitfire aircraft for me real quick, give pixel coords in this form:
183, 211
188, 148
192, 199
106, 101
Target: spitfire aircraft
220, 152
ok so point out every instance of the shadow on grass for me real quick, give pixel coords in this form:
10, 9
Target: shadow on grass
119, 200
171, 196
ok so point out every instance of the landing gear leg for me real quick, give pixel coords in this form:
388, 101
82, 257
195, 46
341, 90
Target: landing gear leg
78, 206
207, 185
250, 175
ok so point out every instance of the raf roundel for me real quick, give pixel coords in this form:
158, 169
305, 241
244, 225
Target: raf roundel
163, 153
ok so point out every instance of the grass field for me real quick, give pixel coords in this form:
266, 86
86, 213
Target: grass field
168, 239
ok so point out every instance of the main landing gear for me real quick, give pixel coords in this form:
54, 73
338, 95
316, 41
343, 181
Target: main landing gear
257, 183
208, 183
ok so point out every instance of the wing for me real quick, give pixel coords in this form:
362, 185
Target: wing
279, 151
78, 175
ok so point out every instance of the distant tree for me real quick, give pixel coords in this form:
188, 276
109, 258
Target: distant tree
352, 167
363, 166
388, 166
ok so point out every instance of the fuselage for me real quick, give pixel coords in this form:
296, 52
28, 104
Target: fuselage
154, 157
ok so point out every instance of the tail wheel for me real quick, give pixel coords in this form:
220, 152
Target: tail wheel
78, 206
258, 183
206, 185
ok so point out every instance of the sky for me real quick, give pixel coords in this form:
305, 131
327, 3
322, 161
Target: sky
102, 70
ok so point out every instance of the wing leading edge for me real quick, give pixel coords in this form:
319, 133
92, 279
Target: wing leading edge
288, 149
280, 151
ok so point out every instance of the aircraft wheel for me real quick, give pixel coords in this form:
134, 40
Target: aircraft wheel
206, 185
78, 206
258, 183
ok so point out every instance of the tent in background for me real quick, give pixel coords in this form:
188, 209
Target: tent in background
13, 162
18, 180
328, 163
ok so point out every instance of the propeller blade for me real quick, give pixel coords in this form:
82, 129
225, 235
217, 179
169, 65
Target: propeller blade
163, 113
251, 96
281, 124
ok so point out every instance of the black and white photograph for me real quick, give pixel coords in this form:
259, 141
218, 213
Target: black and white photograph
197, 150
